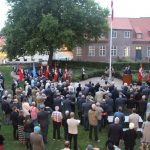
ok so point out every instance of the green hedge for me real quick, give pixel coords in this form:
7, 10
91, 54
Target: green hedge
102, 65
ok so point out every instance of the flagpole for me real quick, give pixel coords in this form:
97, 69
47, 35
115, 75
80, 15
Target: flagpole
110, 49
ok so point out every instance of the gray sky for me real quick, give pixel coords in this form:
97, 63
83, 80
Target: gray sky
122, 8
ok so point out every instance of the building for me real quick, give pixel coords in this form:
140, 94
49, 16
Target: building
130, 41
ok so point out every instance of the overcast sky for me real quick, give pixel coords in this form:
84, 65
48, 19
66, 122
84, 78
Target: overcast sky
122, 8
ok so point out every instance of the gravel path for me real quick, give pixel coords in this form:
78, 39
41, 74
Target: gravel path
118, 82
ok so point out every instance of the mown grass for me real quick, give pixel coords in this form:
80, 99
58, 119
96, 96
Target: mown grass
83, 139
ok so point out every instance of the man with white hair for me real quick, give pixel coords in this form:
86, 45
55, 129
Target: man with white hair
57, 119
93, 122
129, 137
115, 132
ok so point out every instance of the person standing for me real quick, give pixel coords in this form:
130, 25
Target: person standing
36, 139
93, 122
73, 130
134, 118
129, 137
57, 120
146, 135
115, 132
65, 125
82, 73
43, 121
14, 118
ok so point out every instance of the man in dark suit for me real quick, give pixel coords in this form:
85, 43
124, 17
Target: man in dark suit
43, 121
115, 132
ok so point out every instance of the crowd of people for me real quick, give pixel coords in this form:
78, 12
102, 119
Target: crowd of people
30, 108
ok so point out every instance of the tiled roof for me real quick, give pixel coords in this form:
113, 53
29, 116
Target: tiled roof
141, 25
121, 23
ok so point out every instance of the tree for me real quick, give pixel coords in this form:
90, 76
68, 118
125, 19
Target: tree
45, 25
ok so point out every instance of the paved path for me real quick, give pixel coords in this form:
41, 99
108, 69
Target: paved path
118, 82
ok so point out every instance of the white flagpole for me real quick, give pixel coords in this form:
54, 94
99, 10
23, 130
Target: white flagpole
110, 49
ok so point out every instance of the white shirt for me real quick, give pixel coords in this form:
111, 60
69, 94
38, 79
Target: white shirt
73, 125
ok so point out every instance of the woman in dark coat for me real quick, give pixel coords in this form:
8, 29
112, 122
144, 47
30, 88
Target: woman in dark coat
21, 119
129, 137
28, 128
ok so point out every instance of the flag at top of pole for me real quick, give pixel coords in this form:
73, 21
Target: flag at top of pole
110, 59
112, 11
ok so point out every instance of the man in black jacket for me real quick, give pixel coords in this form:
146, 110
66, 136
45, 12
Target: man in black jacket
115, 132
43, 121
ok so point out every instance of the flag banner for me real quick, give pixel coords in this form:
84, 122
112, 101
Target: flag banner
20, 72
140, 74
65, 73
55, 73
47, 71
34, 71
41, 70
29, 71
112, 11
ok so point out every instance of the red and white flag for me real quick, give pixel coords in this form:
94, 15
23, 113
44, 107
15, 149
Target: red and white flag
20, 72
140, 74
112, 11
65, 73
55, 73
47, 71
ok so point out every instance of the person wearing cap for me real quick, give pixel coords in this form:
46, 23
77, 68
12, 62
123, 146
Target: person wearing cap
129, 137
93, 122
57, 120
73, 130
43, 120
36, 139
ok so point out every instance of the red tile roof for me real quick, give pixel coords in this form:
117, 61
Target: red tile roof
138, 25
121, 23
141, 25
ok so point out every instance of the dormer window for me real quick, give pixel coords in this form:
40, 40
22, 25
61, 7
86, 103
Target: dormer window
139, 35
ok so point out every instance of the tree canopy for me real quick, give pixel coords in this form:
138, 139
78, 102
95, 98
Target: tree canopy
45, 25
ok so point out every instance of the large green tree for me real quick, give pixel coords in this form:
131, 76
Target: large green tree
45, 25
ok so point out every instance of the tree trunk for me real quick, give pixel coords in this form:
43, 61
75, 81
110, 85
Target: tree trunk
50, 58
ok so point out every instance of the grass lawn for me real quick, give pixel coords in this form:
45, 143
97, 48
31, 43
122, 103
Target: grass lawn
83, 139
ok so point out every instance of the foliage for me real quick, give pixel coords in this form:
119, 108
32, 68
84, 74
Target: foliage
45, 25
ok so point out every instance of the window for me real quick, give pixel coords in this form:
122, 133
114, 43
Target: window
148, 51
91, 50
127, 34
139, 35
114, 51
114, 34
127, 51
102, 50
78, 51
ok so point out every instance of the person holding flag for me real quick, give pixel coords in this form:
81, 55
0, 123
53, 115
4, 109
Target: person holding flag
34, 71
47, 71
140, 74
41, 70
20, 72
65, 73
55, 73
